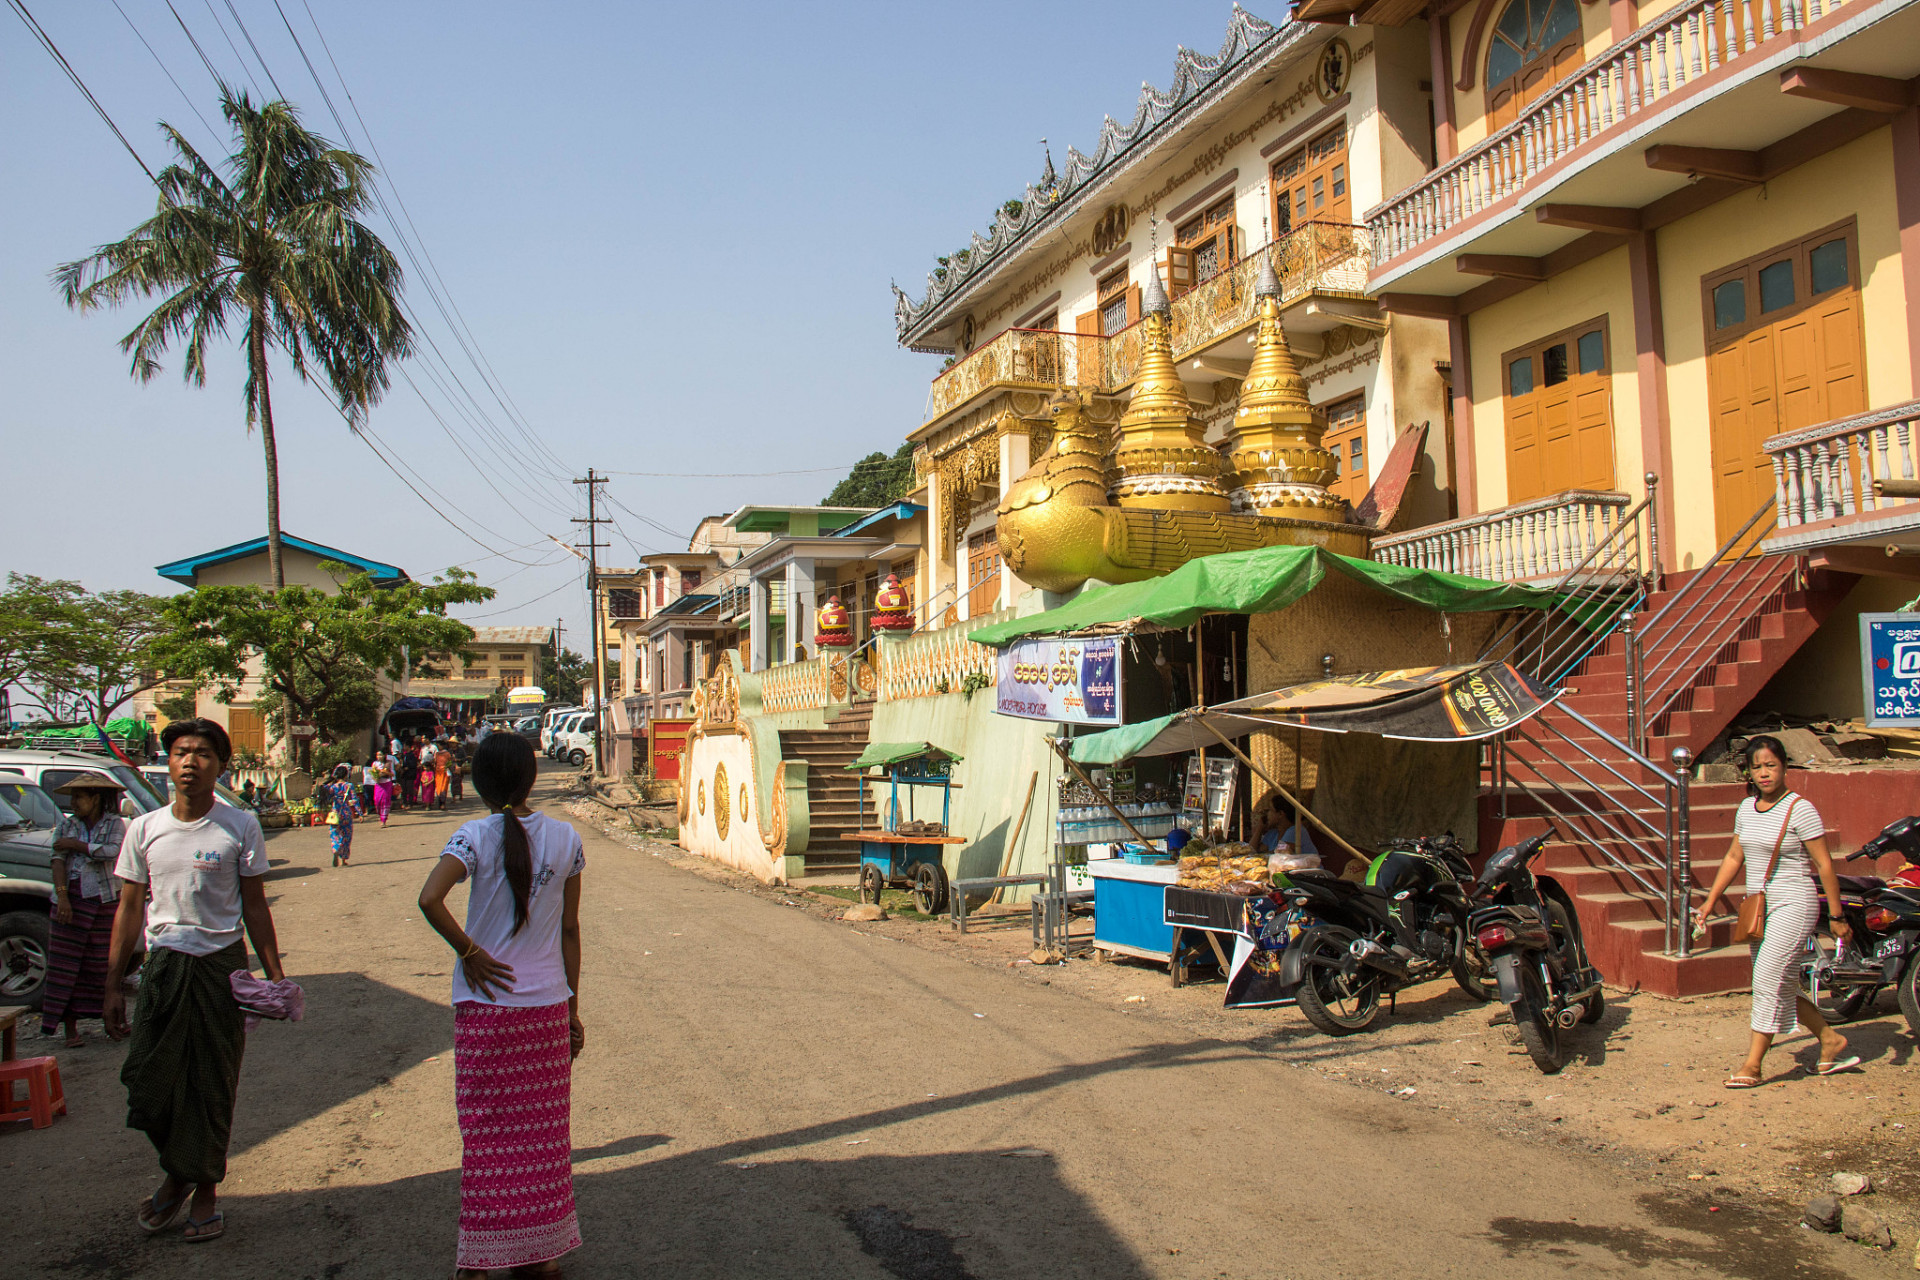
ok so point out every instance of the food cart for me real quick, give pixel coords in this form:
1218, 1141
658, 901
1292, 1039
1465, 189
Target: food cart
905, 852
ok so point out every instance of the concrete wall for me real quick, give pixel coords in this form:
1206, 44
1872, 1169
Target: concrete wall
1823, 678
724, 807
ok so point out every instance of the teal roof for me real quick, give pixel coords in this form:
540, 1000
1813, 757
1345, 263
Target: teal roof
187, 571
894, 511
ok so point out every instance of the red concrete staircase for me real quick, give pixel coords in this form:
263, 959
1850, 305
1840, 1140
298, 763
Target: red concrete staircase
832, 792
1708, 642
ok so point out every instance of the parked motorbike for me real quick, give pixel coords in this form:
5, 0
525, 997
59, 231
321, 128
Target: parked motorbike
1882, 948
1527, 928
1359, 942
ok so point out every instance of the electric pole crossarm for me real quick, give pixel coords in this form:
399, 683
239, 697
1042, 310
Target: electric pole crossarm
593, 520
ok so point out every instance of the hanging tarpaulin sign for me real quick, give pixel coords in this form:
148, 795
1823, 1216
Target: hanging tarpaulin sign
1890, 667
1069, 681
1421, 704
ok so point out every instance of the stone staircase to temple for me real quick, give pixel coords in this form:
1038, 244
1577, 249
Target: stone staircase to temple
1710, 644
832, 792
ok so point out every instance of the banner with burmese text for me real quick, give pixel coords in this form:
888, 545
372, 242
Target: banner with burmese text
1071, 681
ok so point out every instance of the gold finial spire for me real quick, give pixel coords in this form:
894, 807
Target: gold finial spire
1161, 455
1279, 466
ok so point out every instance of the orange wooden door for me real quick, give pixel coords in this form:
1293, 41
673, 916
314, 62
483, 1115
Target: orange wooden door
983, 573
1785, 352
246, 729
1559, 413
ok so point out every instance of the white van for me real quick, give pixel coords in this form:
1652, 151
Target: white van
573, 739
548, 719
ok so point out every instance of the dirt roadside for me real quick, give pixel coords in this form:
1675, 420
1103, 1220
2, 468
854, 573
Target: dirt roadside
1643, 1089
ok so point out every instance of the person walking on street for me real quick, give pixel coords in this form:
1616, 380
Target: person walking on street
516, 1018
345, 799
85, 846
462, 757
429, 788
442, 776
406, 774
191, 876
1783, 843
380, 773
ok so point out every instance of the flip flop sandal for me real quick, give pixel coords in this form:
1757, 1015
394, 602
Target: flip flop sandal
1836, 1067
1741, 1082
204, 1229
153, 1221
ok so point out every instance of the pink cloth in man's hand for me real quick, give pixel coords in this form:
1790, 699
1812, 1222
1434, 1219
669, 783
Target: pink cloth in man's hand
258, 998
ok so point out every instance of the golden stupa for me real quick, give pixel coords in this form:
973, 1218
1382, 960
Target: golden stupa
1059, 525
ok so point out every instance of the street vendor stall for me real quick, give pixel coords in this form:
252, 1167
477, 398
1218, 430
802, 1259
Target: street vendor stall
1225, 892
905, 853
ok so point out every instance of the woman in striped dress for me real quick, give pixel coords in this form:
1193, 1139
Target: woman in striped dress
1778, 830
86, 898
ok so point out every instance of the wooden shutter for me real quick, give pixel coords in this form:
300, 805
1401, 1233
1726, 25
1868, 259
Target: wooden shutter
1526, 476
1133, 303
1179, 272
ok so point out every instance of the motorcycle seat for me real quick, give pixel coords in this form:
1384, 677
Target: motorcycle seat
1860, 884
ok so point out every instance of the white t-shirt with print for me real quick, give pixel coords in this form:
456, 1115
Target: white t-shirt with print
193, 870
539, 970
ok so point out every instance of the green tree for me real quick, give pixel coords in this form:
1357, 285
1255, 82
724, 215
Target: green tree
269, 240
77, 654
566, 679
30, 613
345, 704
875, 480
313, 645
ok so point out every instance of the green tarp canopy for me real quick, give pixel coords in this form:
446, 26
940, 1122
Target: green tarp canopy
124, 728
1264, 580
898, 752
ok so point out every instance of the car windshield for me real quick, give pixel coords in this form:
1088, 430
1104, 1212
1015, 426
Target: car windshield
33, 803
9, 816
137, 788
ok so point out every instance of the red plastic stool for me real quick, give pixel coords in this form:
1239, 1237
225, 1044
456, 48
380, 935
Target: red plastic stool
45, 1097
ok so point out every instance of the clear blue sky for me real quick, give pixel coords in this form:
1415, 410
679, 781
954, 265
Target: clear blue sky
670, 228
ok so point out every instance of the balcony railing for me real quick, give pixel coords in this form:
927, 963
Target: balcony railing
1637, 76
1327, 257
1540, 539
1824, 475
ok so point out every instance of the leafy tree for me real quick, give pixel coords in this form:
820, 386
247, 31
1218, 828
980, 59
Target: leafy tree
875, 480
180, 706
313, 646
268, 240
80, 655
346, 706
566, 679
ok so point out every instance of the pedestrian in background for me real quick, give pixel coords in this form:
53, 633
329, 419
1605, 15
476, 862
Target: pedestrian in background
86, 844
344, 798
1783, 843
406, 774
516, 1019
428, 788
380, 772
442, 775
191, 877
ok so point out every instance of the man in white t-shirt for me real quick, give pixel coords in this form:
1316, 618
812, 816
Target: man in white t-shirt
191, 876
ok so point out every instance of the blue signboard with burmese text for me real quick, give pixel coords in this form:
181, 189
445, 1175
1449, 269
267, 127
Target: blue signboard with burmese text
1890, 667
1069, 681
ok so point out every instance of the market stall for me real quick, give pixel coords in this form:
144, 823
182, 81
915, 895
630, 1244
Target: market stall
1220, 893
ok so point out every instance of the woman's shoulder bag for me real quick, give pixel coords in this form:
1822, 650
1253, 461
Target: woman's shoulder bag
1752, 921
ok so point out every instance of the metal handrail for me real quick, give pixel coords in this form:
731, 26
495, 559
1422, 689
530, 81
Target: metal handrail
1558, 654
1669, 651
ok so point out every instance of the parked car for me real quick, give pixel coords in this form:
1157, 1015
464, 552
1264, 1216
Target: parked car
573, 741
26, 889
548, 719
560, 727
49, 770
33, 803
161, 783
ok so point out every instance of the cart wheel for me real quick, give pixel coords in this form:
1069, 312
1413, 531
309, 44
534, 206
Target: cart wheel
930, 888
872, 882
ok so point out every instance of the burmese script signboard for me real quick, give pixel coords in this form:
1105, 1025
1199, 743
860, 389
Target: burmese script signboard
1070, 681
1890, 667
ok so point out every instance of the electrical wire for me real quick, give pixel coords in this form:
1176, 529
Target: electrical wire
164, 69
565, 586
724, 475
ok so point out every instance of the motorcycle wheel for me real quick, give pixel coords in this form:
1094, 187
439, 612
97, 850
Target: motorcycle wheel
1856, 1003
1566, 926
1331, 1003
1538, 1031
1909, 996
1473, 972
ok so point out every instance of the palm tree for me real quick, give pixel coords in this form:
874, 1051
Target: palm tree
271, 238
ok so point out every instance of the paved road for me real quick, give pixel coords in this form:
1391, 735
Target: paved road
767, 1094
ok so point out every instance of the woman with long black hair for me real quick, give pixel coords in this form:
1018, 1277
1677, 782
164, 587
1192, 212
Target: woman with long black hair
516, 1019
1782, 842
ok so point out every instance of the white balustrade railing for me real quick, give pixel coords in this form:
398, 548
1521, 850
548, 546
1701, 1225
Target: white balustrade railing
1542, 538
1635, 76
1827, 472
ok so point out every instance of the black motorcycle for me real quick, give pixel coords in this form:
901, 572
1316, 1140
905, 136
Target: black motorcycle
1882, 948
1359, 942
1528, 930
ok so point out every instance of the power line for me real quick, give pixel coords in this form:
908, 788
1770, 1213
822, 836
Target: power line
244, 69
725, 475
163, 68
529, 604
46, 42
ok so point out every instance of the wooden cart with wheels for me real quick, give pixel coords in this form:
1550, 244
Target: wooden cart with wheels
905, 853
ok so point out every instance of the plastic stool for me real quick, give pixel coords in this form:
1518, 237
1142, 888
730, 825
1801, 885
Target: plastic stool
45, 1097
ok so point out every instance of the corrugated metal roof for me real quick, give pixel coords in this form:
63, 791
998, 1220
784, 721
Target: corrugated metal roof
513, 635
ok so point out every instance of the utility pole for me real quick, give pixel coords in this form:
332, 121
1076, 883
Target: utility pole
593, 520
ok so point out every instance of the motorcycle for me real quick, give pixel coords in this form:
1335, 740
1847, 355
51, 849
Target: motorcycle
1882, 948
1354, 943
1527, 928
